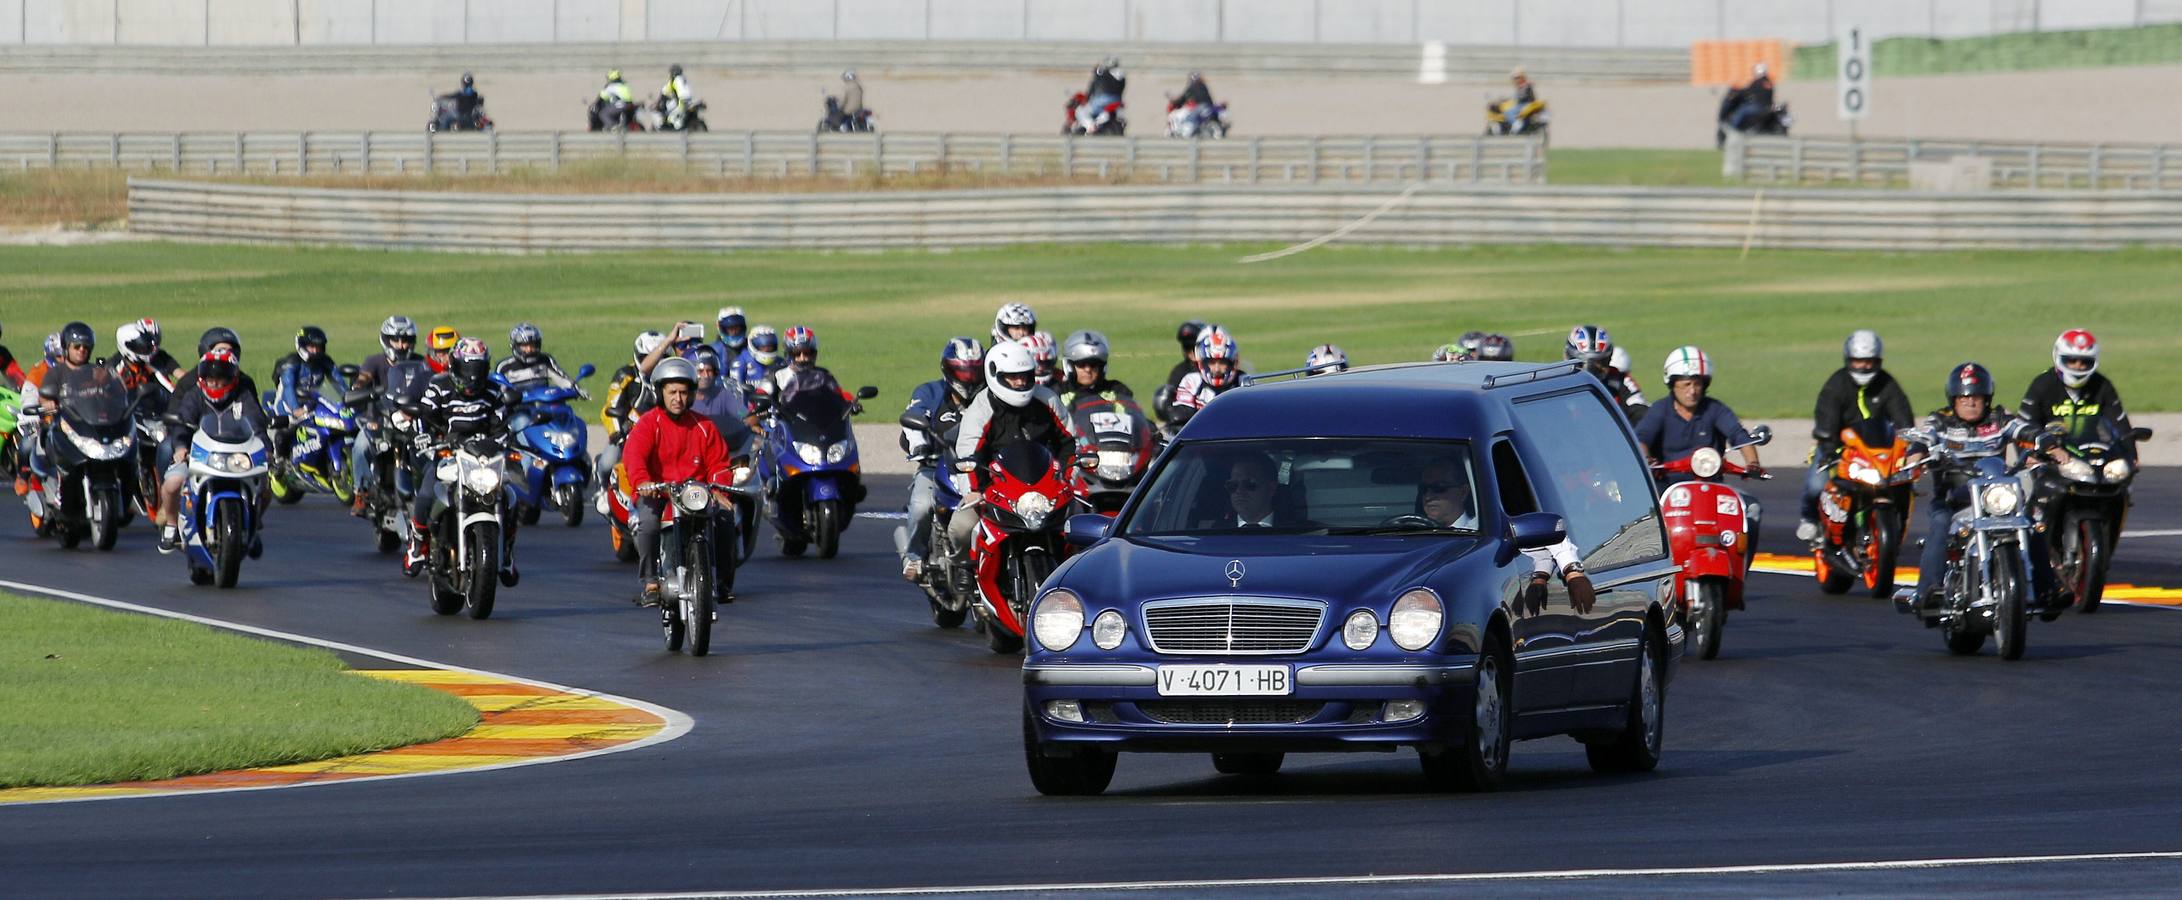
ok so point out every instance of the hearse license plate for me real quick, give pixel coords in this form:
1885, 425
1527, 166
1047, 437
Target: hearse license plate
1223, 681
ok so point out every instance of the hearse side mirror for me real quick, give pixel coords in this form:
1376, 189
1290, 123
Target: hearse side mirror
1537, 531
1085, 529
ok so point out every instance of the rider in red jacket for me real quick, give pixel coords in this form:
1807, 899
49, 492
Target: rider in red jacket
671, 444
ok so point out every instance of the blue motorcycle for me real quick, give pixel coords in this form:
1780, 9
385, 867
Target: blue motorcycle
809, 467
219, 514
318, 460
944, 573
554, 445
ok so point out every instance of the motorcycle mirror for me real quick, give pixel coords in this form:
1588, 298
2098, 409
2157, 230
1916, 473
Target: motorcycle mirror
2140, 434
866, 392
585, 371
1085, 529
349, 371
1537, 531
1762, 435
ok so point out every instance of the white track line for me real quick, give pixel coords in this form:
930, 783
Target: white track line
1336, 233
2161, 532
678, 723
1338, 881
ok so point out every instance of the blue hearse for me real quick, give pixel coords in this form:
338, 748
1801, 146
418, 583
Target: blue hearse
1346, 562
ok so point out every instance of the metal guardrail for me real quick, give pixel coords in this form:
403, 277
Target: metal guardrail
1458, 63
755, 154
2032, 166
1438, 214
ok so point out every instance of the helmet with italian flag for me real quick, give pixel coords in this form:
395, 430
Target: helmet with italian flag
2075, 356
1687, 362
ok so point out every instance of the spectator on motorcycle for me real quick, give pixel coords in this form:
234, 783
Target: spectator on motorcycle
1595, 347
1858, 391
734, 337
1325, 359
1751, 102
1048, 356
1496, 348
438, 346
1672, 431
1969, 416
759, 360
527, 360
397, 340
940, 403
215, 388
2073, 392
460, 403
674, 443
675, 97
1013, 322
611, 109
623, 389
1087, 353
1013, 408
1218, 371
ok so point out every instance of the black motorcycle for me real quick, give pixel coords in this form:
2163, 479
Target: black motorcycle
1773, 121
473, 537
2082, 501
92, 447
391, 428
838, 119
696, 564
447, 115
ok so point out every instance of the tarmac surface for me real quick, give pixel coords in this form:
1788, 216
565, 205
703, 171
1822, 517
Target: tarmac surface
843, 743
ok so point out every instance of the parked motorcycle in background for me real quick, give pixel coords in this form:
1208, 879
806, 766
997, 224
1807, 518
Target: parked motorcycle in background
219, 514
1712, 532
1863, 510
2081, 503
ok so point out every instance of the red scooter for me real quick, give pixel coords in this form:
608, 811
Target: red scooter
1018, 539
1712, 531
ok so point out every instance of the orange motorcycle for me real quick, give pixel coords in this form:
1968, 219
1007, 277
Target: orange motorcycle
1863, 510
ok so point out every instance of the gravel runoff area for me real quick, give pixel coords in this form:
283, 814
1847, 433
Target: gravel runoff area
2071, 105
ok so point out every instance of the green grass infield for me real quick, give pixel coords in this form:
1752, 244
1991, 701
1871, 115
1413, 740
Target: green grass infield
96, 696
2017, 51
1773, 322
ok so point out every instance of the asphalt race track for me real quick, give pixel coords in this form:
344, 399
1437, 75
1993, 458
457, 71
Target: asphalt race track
842, 742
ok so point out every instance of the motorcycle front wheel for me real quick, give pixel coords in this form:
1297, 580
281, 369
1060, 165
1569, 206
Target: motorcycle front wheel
233, 542
481, 570
826, 527
698, 606
2010, 624
570, 502
1882, 547
105, 521
2083, 560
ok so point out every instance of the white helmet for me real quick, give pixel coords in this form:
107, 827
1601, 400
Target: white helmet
1758, 71
1013, 314
1687, 362
122, 338
1619, 359
1326, 358
648, 342
2075, 344
1010, 358
1863, 343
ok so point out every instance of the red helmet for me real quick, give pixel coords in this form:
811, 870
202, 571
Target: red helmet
2075, 356
218, 363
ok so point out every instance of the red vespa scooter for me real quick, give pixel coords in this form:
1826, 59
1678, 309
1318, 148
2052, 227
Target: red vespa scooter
1711, 529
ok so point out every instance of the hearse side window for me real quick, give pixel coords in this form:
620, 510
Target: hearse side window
1589, 473
1515, 498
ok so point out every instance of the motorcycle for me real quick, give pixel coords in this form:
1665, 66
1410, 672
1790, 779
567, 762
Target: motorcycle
447, 116
1712, 531
1081, 117
809, 468
1503, 117
473, 541
617, 498
837, 119
1863, 509
1124, 442
391, 428
92, 444
690, 575
553, 444
1196, 120
11, 411
318, 458
2081, 502
617, 116
148, 412
1987, 588
219, 514
693, 116
943, 576
1774, 121
1018, 542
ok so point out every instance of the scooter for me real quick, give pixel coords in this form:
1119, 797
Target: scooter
219, 514
691, 576
92, 441
2081, 503
1124, 442
1863, 509
1018, 541
473, 540
1987, 589
554, 446
1713, 535
812, 480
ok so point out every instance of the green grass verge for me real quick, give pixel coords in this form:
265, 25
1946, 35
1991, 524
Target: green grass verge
1773, 322
2021, 51
95, 696
1621, 167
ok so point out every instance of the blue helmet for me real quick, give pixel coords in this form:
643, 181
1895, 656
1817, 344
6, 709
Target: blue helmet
731, 317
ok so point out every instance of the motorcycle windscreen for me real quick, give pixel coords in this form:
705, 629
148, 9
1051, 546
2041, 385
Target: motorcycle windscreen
815, 413
1111, 424
228, 426
405, 381
1025, 461
94, 396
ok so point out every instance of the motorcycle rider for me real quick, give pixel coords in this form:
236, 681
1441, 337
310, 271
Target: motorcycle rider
1013, 407
803, 372
1753, 101
1013, 322
9, 368
1496, 348
77, 344
1194, 90
298, 377
1325, 359
397, 342
734, 336
623, 390
611, 109
1595, 347
1672, 431
1048, 355
438, 346
1511, 107
140, 360
1449, 353
527, 360
1218, 371
1163, 399
216, 337
2073, 392
1087, 352
1968, 415
466, 101
673, 443
216, 388
852, 100
459, 403
1107, 84
759, 360
940, 402
675, 97
1858, 391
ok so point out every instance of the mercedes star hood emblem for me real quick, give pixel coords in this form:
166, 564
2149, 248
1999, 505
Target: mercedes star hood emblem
1235, 572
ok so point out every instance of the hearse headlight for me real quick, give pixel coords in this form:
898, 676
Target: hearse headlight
1360, 630
1058, 620
1415, 622
1108, 629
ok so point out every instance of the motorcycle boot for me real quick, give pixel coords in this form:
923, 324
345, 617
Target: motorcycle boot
508, 573
418, 550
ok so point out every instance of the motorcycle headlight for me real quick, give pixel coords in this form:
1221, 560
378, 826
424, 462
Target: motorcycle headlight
2075, 469
1107, 630
809, 453
2002, 499
1360, 630
1116, 465
838, 452
2117, 470
238, 462
156, 430
481, 480
1705, 463
1033, 509
1415, 621
693, 498
1058, 620
1863, 472
449, 470
563, 440
742, 475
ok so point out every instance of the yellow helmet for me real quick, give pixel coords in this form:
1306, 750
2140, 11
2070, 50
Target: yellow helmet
613, 75
443, 339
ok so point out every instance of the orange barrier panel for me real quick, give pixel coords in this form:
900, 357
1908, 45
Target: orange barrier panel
1728, 63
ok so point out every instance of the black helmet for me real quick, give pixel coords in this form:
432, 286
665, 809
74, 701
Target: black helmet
310, 336
470, 363
1187, 334
75, 333
675, 70
468, 81
1969, 380
218, 335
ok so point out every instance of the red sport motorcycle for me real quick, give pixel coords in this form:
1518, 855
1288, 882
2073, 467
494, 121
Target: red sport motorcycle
1712, 531
1018, 538
1080, 117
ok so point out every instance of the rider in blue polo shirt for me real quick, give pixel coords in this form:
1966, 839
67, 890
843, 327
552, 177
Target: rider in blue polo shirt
1671, 431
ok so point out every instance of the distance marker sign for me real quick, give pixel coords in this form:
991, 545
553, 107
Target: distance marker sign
1853, 77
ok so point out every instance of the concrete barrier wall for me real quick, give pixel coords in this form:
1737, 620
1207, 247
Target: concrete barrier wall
1535, 23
